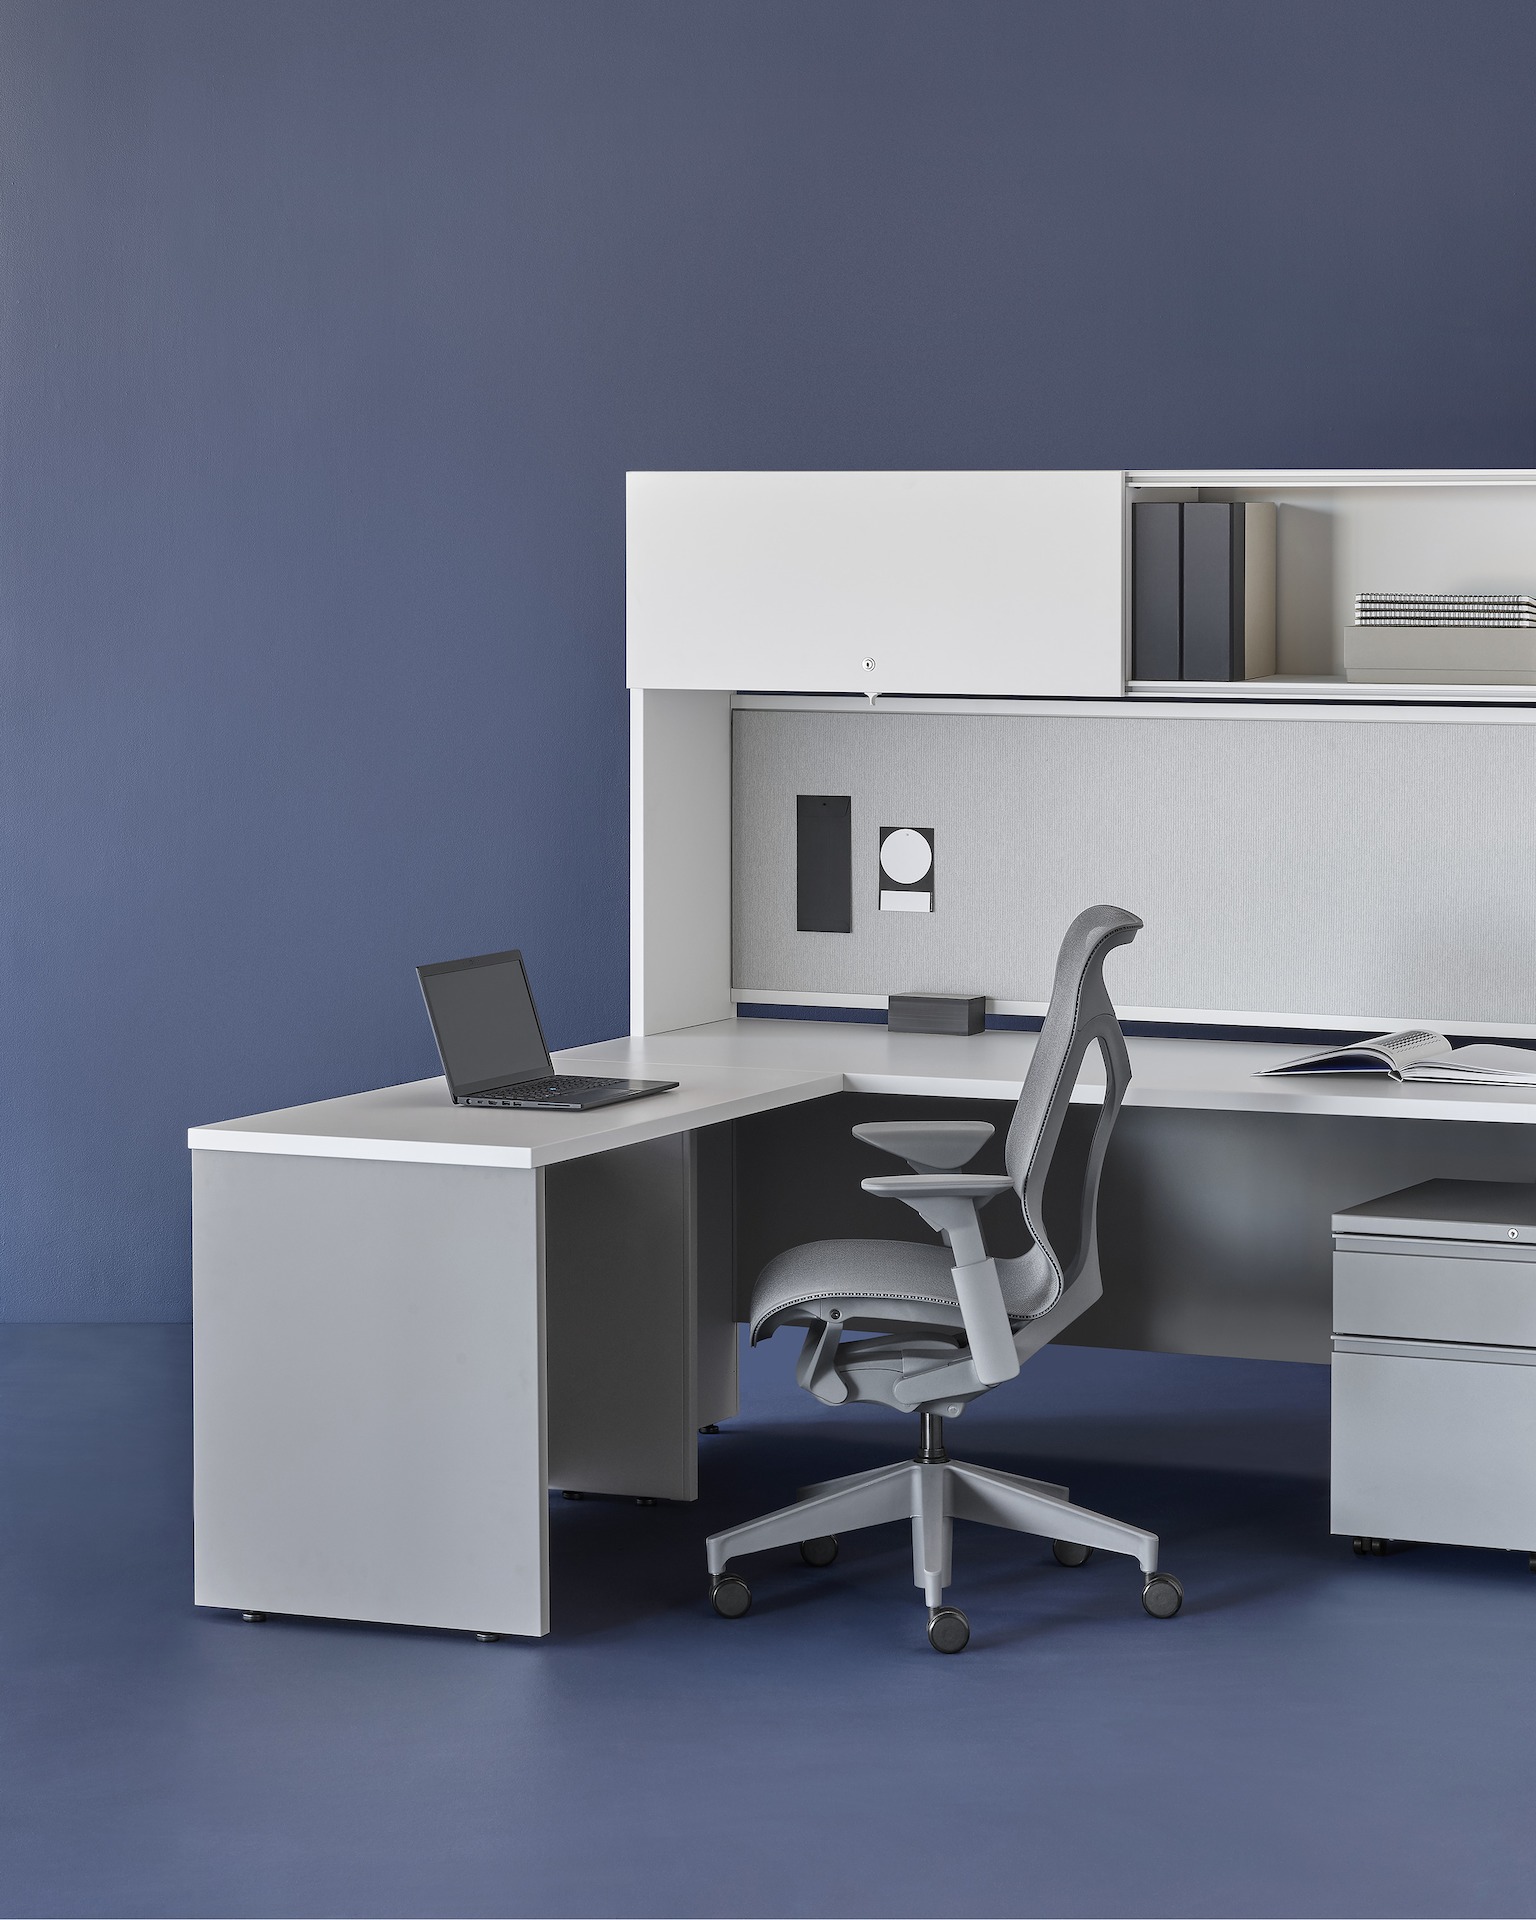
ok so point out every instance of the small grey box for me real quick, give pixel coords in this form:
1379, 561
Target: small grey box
937, 1012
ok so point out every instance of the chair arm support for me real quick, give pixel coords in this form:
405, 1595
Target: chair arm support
948, 1202
988, 1330
928, 1146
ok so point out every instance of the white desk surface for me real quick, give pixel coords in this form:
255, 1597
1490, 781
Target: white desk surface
419, 1122
1213, 1074
735, 1067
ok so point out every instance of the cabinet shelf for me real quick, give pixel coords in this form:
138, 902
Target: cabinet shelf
1293, 686
1341, 534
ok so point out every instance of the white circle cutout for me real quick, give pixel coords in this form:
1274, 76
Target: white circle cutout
905, 856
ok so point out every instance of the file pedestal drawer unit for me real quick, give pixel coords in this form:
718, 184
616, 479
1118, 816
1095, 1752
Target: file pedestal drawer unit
1434, 1367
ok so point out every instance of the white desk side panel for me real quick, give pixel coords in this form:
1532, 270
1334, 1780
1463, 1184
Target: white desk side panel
971, 583
680, 858
368, 1425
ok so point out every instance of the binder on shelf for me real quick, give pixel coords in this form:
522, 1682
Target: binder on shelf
1228, 590
1157, 589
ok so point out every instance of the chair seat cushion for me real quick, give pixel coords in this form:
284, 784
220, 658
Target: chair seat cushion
882, 1270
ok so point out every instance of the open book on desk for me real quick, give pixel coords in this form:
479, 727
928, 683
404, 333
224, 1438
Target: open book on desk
1419, 1055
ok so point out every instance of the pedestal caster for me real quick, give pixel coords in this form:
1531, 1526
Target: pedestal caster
487, 1637
253, 1616
645, 1500
730, 1596
571, 1494
710, 1428
948, 1630
1368, 1543
1162, 1596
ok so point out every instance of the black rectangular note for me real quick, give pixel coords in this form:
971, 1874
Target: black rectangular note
823, 863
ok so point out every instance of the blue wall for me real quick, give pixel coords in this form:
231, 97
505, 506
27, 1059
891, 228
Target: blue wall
327, 332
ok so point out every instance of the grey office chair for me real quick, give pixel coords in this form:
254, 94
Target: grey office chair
946, 1324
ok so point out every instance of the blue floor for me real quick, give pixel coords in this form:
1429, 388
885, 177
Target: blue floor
1315, 1734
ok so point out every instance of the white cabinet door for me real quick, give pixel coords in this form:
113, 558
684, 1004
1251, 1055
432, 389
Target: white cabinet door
1000, 583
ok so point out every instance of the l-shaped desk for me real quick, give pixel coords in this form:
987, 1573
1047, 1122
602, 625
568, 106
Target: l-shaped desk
412, 1319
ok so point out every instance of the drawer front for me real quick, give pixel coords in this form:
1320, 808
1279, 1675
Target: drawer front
1408, 1296
1440, 1450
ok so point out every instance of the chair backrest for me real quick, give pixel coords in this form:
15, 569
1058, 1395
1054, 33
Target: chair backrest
1080, 1014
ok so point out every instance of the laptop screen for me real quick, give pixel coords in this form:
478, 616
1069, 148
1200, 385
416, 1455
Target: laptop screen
482, 1013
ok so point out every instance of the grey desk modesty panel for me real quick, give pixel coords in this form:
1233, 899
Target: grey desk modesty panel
1294, 869
1214, 1217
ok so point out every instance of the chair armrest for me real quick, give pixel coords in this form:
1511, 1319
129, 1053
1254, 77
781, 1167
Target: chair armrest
929, 1146
949, 1203
938, 1186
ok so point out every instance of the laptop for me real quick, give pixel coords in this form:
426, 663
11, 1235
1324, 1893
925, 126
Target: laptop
492, 1046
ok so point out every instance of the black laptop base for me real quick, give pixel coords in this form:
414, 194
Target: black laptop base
565, 1093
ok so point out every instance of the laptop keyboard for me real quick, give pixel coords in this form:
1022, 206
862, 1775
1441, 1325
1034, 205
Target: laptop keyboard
552, 1089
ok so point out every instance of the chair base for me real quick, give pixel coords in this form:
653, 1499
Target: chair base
932, 1494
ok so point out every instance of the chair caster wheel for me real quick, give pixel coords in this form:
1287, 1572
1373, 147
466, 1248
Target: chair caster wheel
253, 1616
710, 1428
730, 1597
487, 1636
645, 1500
571, 1494
1069, 1554
948, 1630
819, 1553
1162, 1596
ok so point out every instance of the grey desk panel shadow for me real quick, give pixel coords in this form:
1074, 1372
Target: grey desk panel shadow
1214, 1228
621, 1283
715, 1260
368, 1430
642, 1339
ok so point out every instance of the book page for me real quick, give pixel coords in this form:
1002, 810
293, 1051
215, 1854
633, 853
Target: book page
1391, 1053
1479, 1066
1413, 1043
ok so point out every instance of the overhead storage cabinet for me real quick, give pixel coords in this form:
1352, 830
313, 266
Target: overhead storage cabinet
934, 583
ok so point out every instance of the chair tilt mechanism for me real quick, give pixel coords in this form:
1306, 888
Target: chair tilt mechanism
928, 1329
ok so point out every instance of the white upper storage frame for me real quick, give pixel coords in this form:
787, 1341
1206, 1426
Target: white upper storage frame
1345, 532
925, 583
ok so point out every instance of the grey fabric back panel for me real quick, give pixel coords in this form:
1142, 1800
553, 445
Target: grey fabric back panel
1283, 868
